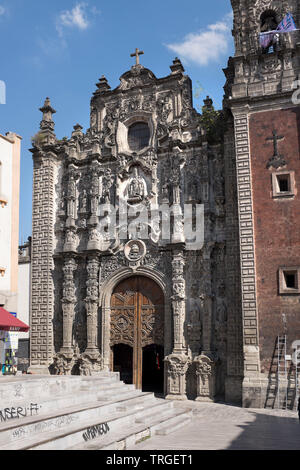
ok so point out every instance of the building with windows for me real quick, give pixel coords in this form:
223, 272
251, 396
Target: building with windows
24, 289
120, 278
10, 146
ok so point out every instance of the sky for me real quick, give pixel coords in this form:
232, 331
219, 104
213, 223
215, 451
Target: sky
61, 48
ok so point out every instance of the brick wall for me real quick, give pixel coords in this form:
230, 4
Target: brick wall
277, 226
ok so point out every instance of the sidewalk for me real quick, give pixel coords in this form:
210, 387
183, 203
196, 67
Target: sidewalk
218, 427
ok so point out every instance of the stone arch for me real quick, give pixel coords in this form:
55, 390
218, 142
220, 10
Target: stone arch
268, 6
107, 289
271, 14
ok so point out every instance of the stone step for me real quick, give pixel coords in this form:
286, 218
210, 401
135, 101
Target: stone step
83, 412
173, 424
33, 388
147, 415
77, 388
108, 392
139, 403
38, 431
124, 437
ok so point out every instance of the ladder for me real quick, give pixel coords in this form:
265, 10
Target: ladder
296, 360
282, 369
278, 375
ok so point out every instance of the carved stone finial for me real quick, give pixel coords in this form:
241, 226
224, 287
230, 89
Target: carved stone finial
177, 66
102, 85
77, 130
208, 104
47, 122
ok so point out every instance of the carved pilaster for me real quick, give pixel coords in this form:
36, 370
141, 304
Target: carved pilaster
177, 363
95, 194
71, 197
206, 377
178, 300
247, 258
177, 366
92, 354
68, 305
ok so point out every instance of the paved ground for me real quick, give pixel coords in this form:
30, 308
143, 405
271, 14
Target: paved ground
217, 427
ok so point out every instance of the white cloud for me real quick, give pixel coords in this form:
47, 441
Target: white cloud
2, 10
205, 46
75, 18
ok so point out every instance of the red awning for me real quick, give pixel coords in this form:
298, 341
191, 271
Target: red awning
9, 323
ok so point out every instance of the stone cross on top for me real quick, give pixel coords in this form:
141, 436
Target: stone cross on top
137, 54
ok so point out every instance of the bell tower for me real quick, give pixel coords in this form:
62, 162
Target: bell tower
264, 113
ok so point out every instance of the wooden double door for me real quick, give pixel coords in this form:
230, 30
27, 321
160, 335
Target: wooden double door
137, 329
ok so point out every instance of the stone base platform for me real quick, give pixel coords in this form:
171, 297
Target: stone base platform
81, 413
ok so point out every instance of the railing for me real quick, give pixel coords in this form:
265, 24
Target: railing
284, 39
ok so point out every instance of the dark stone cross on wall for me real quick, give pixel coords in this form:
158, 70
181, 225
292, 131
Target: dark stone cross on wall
277, 160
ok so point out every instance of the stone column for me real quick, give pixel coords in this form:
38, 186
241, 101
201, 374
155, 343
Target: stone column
45, 175
91, 360
68, 305
177, 362
65, 359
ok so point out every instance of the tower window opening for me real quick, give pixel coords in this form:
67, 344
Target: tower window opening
268, 21
269, 24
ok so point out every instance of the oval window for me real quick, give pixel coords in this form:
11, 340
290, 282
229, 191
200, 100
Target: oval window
138, 136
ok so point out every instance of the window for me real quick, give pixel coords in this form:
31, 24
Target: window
283, 184
138, 136
289, 280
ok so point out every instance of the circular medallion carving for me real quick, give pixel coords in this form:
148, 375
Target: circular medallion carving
135, 250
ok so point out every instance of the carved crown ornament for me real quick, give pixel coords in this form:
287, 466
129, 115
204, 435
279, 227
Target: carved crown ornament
137, 76
135, 251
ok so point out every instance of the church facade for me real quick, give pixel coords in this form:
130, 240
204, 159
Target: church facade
165, 241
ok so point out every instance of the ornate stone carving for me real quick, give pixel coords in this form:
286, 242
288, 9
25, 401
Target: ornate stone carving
107, 184
178, 299
136, 189
89, 366
135, 251
68, 303
91, 304
177, 366
63, 363
71, 240
71, 195
137, 76
206, 377
95, 193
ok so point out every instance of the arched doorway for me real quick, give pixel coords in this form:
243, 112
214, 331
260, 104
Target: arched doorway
137, 321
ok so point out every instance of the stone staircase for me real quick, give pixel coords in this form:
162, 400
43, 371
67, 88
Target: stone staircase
81, 413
